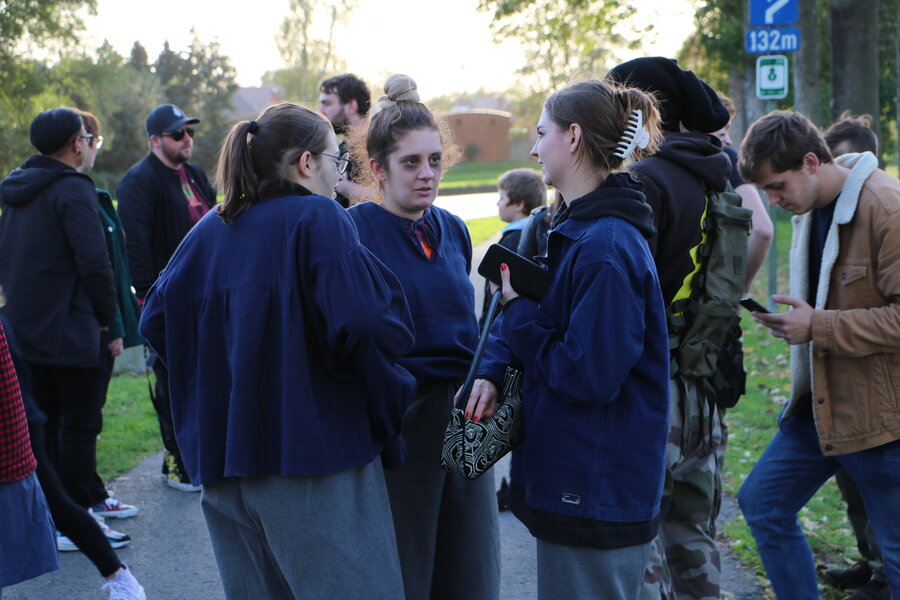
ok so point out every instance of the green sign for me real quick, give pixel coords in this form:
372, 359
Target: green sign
772, 77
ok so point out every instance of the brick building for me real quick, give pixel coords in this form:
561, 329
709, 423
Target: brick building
481, 134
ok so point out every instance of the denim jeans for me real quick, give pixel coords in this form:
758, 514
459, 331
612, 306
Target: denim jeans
787, 475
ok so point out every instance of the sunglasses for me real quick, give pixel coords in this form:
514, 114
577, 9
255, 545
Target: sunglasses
179, 134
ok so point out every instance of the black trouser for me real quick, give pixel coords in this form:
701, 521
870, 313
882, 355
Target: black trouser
73, 399
160, 399
72, 520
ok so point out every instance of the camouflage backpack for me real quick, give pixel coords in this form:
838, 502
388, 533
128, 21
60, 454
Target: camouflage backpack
706, 308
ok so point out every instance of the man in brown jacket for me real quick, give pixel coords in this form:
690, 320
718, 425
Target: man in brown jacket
844, 332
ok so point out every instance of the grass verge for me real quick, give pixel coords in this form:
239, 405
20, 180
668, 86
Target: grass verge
481, 174
482, 228
130, 428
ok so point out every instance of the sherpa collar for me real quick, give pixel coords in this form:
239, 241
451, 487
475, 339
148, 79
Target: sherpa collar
861, 166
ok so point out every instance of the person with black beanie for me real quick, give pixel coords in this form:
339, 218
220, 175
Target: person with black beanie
676, 179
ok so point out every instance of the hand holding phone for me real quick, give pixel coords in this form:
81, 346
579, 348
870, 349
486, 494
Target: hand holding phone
753, 306
528, 278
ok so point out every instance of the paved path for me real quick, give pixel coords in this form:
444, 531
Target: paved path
172, 557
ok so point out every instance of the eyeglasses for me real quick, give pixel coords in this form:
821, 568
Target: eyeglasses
179, 134
341, 163
99, 142
86, 136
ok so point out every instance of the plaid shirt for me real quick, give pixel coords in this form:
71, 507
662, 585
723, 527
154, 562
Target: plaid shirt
16, 460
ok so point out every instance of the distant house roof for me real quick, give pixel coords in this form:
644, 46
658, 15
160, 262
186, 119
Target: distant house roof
463, 110
248, 102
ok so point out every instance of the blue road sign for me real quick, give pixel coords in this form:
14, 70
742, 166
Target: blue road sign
767, 41
774, 12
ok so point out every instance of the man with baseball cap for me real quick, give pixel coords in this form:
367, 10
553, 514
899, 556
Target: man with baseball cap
160, 198
56, 275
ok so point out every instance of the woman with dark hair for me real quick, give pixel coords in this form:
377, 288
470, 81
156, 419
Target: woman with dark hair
85, 487
587, 479
447, 526
281, 334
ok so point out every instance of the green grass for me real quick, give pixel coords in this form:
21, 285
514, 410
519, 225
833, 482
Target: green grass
482, 228
752, 424
130, 428
481, 174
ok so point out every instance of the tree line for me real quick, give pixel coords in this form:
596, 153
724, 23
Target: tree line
120, 90
848, 60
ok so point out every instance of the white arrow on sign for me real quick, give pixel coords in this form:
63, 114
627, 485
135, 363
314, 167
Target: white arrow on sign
776, 6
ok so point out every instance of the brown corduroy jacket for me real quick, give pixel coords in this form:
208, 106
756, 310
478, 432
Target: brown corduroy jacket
852, 365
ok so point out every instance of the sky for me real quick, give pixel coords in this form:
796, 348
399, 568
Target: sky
445, 45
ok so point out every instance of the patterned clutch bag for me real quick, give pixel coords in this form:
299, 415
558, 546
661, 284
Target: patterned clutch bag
471, 448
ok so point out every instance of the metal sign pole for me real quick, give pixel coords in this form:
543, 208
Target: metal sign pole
773, 249
768, 35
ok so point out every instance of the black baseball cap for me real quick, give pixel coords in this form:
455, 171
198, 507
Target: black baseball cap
167, 117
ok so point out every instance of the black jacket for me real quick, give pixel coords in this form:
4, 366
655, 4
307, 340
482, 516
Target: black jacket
155, 216
54, 266
674, 182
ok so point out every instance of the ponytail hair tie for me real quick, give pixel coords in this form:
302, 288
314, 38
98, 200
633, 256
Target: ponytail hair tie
254, 127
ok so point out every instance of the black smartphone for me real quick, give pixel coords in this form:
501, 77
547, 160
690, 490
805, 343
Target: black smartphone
753, 306
528, 277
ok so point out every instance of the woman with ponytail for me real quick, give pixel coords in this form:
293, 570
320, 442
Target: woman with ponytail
282, 334
447, 526
588, 478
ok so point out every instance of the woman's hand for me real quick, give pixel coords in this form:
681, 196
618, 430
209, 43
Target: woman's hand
482, 400
508, 292
115, 347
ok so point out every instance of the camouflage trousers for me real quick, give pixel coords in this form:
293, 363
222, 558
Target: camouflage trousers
684, 561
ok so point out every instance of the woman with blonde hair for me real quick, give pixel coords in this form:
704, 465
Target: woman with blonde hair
447, 526
281, 334
587, 479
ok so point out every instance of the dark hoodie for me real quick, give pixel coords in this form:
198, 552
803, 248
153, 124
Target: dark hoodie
620, 197
675, 181
54, 266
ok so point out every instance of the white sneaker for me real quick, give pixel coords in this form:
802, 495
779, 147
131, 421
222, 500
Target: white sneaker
183, 487
116, 539
112, 508
64, 544
124, 586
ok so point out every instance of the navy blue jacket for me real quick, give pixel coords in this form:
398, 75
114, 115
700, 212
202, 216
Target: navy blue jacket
281, 334
439, 292
54, 265
595, 353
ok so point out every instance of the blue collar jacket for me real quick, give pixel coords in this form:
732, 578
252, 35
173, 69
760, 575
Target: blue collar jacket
595, 354
281, 334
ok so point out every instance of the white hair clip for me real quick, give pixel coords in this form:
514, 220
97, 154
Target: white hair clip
634, 136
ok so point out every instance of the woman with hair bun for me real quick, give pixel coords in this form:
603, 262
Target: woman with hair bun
282, 334
588, 477
447, 526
